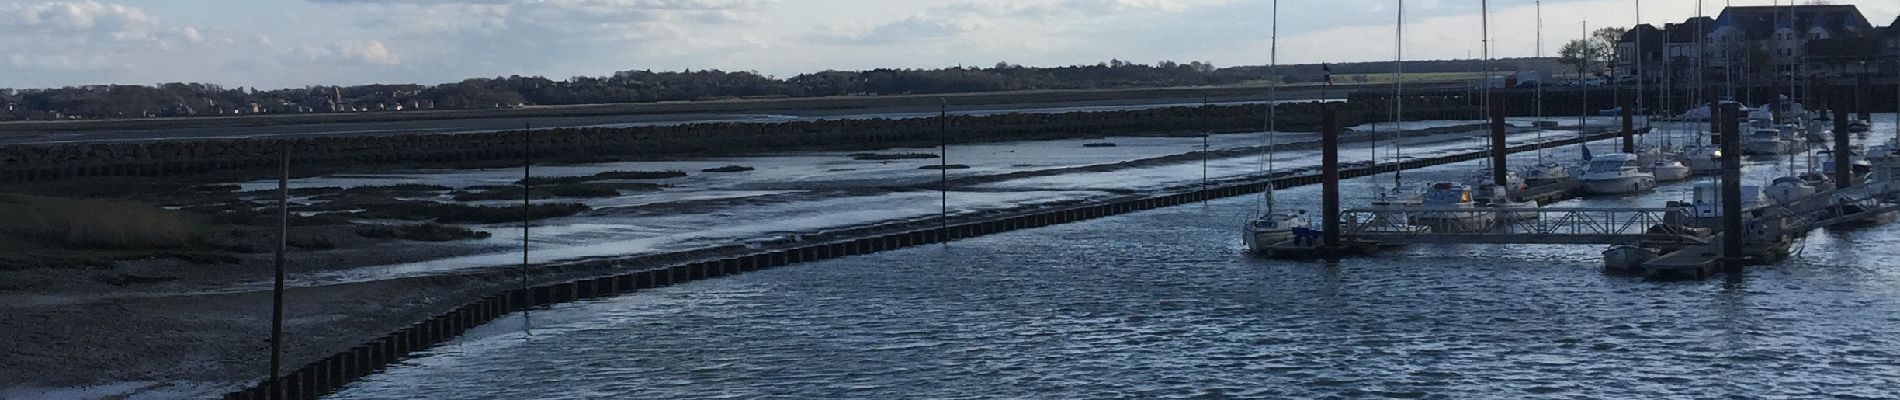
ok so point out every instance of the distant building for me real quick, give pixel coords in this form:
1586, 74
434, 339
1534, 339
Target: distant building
1777, 41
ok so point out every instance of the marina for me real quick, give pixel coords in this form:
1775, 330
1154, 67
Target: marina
1701, 206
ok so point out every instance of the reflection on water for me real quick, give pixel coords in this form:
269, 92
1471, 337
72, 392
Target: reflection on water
1163, 304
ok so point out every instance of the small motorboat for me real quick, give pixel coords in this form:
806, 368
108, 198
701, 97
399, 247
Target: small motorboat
1765, 142
1670, 171
1790, 189
1706, 201
1859, 126
1703, 160
1448, 208
1546, 172
1617, 174
1861, 168
1497, 197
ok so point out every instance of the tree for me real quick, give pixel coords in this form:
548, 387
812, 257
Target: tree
1580, 54
1605, 40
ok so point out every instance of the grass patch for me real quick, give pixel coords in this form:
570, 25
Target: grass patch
570, 190
421, 233
888, 157
728, 169
609, 175
465, 214
93, 224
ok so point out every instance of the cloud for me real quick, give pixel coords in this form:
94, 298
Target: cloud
279, 43
910, 29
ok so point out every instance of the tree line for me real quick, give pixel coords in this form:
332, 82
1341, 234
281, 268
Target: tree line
204, 99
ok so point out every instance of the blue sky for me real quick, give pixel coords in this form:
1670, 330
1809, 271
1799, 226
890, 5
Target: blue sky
292, 43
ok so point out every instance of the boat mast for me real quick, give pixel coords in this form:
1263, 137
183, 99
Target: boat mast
1484, 7
1704, 94
1273, 63
1398, 102
1540, 83
1639, 64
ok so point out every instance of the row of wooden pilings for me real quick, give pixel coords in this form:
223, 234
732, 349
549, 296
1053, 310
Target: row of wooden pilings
327, 375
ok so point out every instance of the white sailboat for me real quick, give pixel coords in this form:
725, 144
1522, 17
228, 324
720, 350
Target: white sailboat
1398, 198
1273, 226
1544, 171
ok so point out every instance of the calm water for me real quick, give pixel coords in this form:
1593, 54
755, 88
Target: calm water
1163, 304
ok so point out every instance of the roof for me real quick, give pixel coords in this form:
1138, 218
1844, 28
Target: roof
1761, 22
1648, 33
1686, 31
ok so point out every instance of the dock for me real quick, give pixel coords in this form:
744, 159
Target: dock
1682, 241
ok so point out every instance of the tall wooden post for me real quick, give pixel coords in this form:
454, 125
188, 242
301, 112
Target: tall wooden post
1499, 174
1843, 171
1329, 163
277, 288
1732, 228
1629, 127
1715, 118
1862, 103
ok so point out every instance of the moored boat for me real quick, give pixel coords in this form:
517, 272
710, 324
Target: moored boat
1670, 171
1765, 142
1617, 174
1448, 208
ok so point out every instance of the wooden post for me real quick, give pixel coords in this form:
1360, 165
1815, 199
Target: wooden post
277, 289
1732, 229
1499, 172
1629, 127
1329, 141
1862, 103
1843, 169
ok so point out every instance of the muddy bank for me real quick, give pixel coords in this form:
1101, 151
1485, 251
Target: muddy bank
321, 155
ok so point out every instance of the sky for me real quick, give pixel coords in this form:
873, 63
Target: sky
295, 43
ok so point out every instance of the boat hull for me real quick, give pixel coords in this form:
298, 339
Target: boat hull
1674, 173
1258, 242
1765, 148
1620, 185
1627, 258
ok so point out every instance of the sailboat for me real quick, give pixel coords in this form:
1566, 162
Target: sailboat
1392, 209
1273, 226
1398, 197
1544, 171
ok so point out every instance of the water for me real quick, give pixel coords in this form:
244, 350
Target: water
1164, 304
